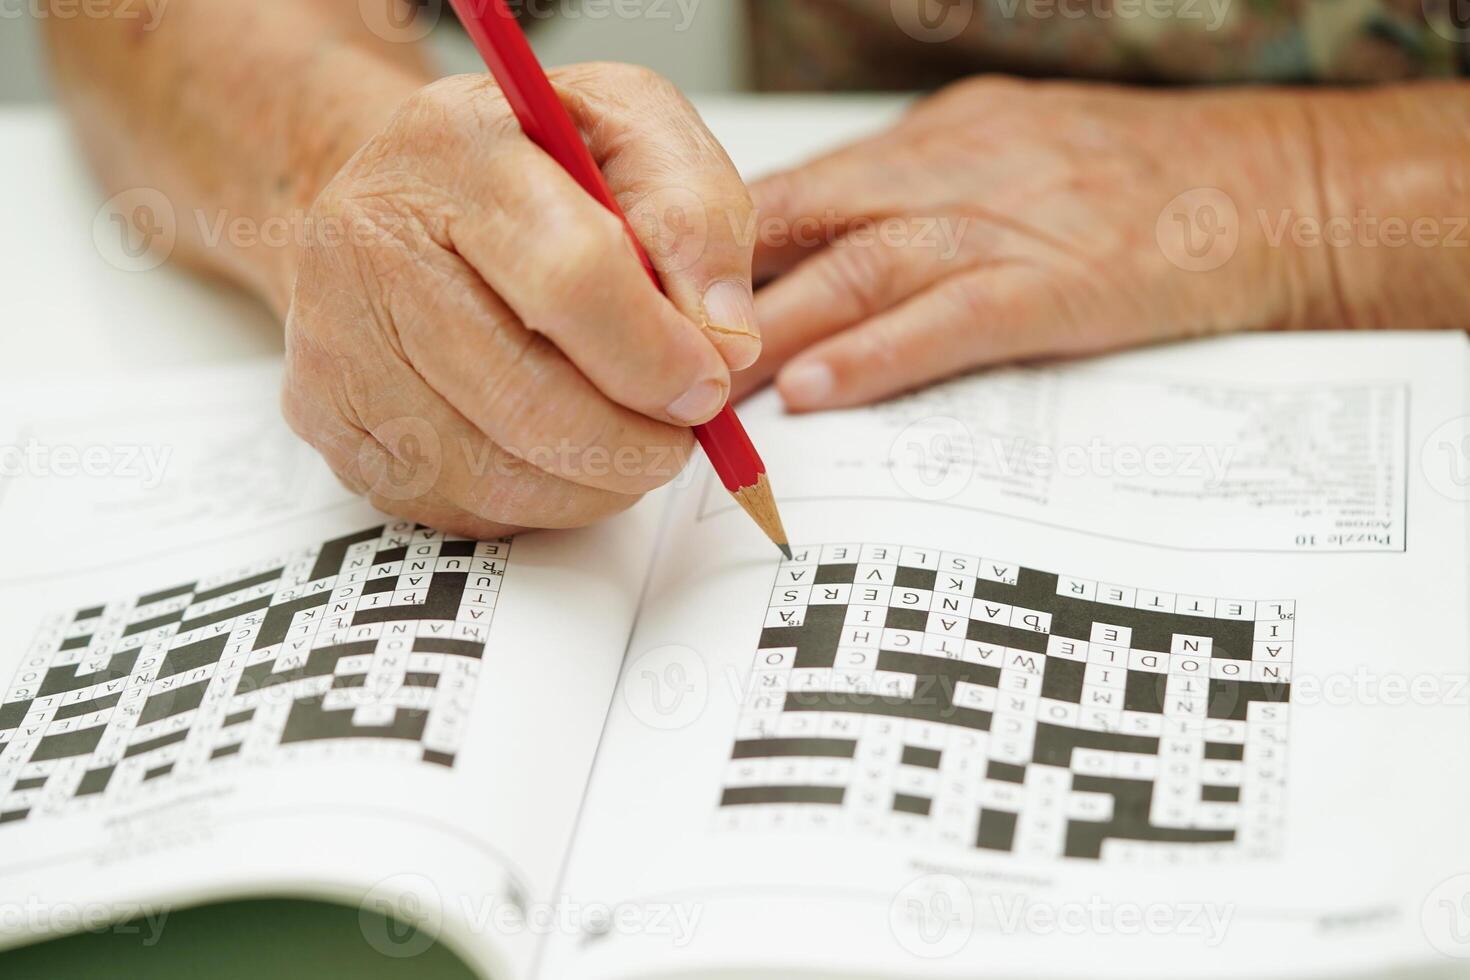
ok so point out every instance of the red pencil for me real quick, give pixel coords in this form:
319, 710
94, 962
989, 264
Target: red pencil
508, 54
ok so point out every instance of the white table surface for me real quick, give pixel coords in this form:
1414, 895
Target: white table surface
64, 310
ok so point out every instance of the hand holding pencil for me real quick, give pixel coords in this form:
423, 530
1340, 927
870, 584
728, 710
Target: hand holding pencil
546, 121
486, 352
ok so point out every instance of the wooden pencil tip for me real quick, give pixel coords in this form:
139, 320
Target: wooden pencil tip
760, 503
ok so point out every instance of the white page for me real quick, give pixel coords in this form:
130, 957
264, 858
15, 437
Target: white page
1353, 797
114, 492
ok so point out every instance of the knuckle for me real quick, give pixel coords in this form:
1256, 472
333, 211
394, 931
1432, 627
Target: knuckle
453, 115
390, 237
477, 529
589, 507
883, 345
298, 409
859, 275
735, 206
680, 445
525, 501
980, 86
644, 466
971, 305
360, 219
349, 478
376, 218
623, 75
307, 377
449, 98
777, 194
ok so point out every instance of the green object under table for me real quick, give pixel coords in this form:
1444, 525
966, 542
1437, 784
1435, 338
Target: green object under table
251, 940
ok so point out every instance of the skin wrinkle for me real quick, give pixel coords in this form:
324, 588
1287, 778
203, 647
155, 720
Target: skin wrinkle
865, 274
1027, 231
1340, 314
512, 397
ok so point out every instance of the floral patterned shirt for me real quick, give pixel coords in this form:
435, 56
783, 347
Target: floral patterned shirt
910, 44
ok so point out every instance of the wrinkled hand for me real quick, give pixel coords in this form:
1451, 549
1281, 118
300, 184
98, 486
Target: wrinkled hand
472, 341
1005, 220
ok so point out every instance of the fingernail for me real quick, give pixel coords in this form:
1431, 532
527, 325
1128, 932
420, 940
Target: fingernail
807, 385
729, 317
700, 403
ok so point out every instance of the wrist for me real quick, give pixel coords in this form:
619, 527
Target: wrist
1247, 163
347, 96
1393, 177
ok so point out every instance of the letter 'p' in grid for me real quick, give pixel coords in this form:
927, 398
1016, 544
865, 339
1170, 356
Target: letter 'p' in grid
952, 698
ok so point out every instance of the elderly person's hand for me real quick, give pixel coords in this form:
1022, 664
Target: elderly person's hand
480, 348
1005, 220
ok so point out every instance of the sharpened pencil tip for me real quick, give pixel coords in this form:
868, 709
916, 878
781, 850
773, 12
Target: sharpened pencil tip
758, 501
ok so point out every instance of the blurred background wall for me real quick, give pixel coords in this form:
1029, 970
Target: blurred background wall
22, 78
697, 43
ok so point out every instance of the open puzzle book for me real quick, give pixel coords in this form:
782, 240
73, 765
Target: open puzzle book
1132, 668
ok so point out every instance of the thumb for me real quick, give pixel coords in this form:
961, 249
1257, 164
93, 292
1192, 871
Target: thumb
682, 194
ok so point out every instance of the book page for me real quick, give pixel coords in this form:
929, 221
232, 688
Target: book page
1085, 721
222, 675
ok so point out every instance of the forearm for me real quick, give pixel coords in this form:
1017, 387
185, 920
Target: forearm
237, 112
1394, 167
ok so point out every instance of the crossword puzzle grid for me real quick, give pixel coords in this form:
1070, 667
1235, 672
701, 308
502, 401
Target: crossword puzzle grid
949, 698
367, 645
